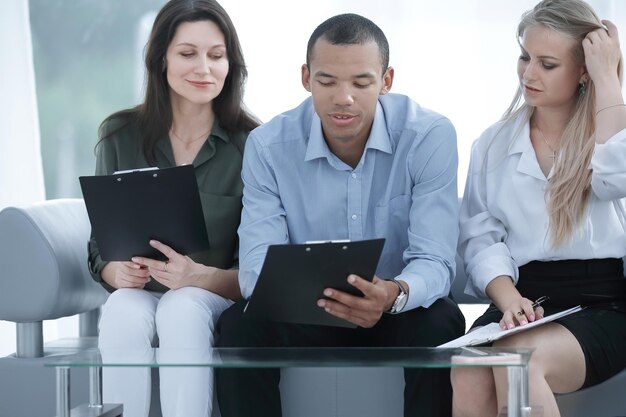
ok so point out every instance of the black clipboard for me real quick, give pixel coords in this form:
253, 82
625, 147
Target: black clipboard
128, 209
293, 278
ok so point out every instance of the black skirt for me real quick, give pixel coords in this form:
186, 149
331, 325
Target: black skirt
600, 328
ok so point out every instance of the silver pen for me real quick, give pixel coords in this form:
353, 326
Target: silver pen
540, 301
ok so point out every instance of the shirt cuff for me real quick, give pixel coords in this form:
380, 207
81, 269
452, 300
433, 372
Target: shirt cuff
417, 293
485, 267
247, 282
609, 153
95, 269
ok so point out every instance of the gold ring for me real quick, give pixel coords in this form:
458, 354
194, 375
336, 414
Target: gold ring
165, 266
520, 313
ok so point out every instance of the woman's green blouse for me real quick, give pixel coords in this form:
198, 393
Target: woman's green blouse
218, 171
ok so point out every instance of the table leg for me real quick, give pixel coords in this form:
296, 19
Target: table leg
95, 408
95, 387
63, 391
518, 401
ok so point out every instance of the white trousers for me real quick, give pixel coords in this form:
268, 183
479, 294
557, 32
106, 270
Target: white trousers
181, 322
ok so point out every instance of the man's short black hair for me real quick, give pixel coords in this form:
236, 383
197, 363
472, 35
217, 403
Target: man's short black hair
350, 29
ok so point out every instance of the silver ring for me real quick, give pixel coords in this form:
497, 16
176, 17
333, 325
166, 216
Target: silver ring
165, 266
520, 313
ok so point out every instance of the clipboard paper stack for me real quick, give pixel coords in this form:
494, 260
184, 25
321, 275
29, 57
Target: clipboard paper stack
492, 331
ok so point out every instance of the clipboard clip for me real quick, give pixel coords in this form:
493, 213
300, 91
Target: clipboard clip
134, 170
128, 171
317, 242
322, 242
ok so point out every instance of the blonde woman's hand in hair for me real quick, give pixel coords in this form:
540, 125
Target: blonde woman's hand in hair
602, 57
602, 53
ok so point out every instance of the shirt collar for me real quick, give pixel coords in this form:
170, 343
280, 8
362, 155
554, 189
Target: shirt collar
521, 139
378, 139
219, 132
521, 144
205, 153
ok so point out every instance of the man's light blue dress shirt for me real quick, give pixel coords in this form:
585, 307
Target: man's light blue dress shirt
403, 189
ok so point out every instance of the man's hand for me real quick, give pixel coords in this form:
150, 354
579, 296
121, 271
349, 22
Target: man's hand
366, 311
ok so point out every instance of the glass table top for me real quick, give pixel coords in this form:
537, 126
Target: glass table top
409, 357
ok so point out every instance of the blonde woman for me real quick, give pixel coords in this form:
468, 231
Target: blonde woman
543, 211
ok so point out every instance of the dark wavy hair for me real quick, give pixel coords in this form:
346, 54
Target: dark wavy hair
154, 115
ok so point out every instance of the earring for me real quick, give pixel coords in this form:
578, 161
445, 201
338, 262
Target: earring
582, 89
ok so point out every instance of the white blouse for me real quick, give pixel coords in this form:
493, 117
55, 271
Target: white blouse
504, 219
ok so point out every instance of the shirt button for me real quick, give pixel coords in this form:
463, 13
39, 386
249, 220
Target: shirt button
353, 175
354, 217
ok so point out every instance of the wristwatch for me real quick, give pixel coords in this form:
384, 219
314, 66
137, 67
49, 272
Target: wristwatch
401, 300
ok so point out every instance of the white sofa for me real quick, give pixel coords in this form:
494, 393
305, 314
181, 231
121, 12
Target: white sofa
43, 276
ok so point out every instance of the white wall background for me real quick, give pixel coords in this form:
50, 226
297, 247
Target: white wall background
21, 174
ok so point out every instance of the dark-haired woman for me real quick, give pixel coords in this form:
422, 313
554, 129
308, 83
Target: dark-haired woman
193, 113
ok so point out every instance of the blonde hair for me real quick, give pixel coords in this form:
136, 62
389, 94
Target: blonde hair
569, 187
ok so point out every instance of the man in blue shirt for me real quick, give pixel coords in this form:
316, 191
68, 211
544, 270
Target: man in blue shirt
351, 162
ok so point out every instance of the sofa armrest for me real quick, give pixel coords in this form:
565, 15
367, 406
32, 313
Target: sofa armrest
43, 262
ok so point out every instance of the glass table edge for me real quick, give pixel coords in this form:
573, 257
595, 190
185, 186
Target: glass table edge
296, 357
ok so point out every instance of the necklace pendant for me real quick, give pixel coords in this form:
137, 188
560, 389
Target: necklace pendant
553, 154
